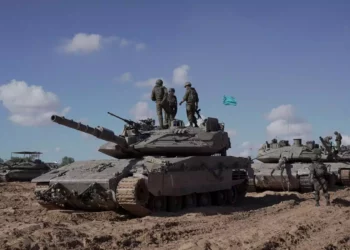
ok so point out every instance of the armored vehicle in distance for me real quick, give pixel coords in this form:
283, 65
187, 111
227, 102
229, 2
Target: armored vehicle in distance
153, 170
296, 174
24, 168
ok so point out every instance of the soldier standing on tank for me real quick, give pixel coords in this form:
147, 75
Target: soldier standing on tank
328, 141
318, 177
160, 96
191, 99
338, 139
280, 166
172, 100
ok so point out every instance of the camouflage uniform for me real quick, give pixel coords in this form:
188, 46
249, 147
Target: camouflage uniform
160, 96
172, 100
191, 99
318, 176
280, 166
328, 141
338, 139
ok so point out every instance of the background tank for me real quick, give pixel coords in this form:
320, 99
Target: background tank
296, 174
155, 170
24, 168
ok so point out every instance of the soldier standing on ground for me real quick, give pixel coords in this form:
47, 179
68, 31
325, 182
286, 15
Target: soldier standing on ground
160, 96
172, 100
318, 176
338, 139
191, 99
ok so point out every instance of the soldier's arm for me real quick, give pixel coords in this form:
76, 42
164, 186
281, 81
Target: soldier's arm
175, 106
185, 97
312, 169
165, 96
153, 95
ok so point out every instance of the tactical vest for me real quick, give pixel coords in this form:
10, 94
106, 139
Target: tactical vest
320, 170
172, 101
193, 96
159, 92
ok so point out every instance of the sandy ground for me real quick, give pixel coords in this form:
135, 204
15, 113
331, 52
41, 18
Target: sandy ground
265, 221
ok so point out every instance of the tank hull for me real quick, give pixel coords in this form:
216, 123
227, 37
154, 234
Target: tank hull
145, 185
295, 177
22, 171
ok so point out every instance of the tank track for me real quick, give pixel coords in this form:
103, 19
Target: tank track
305, 184
132, 195
345, 177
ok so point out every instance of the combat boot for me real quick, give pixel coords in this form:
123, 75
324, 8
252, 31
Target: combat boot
328, 203
317, 204
191, 124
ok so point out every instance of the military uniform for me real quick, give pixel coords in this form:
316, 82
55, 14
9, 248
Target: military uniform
160, 96
318, 176
172, 100
191, 99
328, 141
338, 139
280, 166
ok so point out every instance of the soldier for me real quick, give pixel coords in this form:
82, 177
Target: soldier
328, 141
338, 139
191, 99
172, 100
280, 166
160, 96
318, 176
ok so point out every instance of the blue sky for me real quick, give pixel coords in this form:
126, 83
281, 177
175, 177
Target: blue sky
264, 53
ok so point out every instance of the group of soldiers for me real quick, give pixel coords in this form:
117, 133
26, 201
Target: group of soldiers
166, 102
338, 139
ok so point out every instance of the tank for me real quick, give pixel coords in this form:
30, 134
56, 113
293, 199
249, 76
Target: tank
151, 170
296, 174
23, 169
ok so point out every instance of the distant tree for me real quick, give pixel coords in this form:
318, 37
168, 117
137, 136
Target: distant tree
1, 160
66, 160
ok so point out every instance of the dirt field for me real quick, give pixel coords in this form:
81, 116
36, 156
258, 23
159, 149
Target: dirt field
266, 221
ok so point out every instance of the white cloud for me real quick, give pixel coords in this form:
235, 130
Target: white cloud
150, 82
231, 132
83, 43
180, 74
29, 105
285, 124
345, 140
248, 149
141, 110
146, 96
126, 77
140, 46
58, 149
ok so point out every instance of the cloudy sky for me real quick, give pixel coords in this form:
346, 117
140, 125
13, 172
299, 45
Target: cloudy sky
287, 64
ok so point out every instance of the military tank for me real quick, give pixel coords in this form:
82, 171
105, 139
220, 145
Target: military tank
296, 174
23, 168
153, 170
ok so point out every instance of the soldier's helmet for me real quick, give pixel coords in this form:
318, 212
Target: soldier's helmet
336, 133
159, 82
172, 90
188, 84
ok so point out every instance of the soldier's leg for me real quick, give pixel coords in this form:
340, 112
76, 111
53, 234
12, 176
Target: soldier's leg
338, 146
273, 170
317, 192
194, 119
166, 119
160, 115
325, 191
189, 116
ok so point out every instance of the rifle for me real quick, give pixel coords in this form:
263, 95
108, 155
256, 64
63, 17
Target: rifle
129, 122
198, 114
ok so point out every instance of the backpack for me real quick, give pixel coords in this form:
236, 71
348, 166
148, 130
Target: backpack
193, 97
320, 170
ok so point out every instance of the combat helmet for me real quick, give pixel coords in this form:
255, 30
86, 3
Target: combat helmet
188, 84
172, 90
159, 82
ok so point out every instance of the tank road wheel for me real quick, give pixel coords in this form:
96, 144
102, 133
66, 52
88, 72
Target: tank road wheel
305, 184
174, 203
220, 198
232, 196
204, 199
132, 195
157, 203
190, 201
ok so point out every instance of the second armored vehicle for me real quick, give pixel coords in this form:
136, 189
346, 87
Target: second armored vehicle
154, 170
296, 174
23, 168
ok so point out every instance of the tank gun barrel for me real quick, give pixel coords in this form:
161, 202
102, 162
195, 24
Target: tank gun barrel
99, 132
